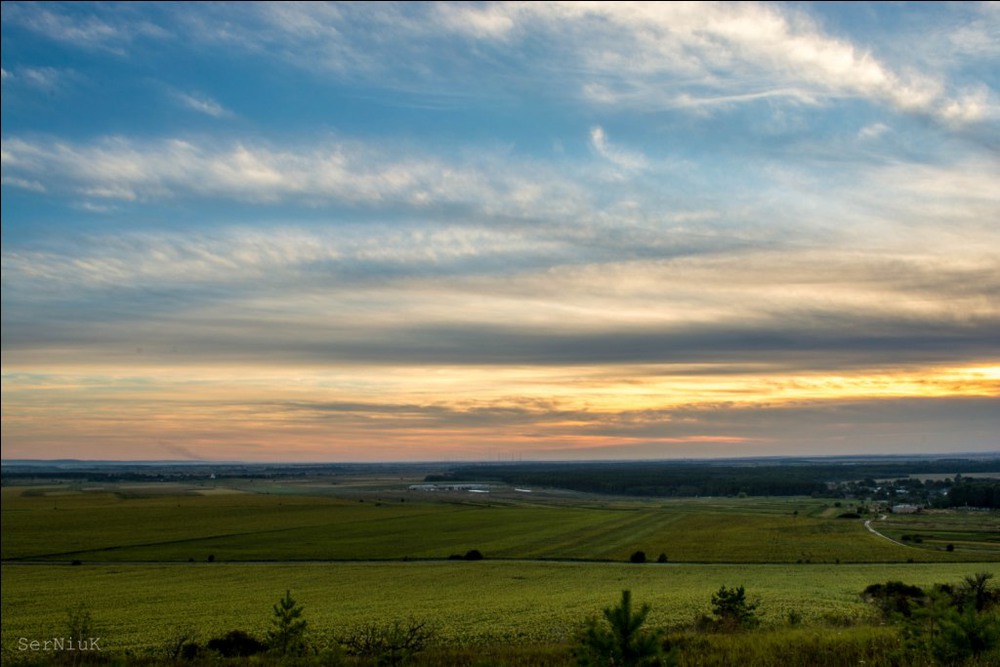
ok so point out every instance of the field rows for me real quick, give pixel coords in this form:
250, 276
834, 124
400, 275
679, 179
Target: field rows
146, 576
250, 527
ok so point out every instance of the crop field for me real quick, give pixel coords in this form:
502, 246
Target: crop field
102, 525
140, 606
151, 561
968, 531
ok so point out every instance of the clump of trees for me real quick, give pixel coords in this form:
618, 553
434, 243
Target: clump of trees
953, 625
893, 598
973, 493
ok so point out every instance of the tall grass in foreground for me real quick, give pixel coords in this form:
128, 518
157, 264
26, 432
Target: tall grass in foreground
814, 646
784, 647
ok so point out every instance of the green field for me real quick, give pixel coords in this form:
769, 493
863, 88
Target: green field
969, 532
103, 526
378, 553
139, 606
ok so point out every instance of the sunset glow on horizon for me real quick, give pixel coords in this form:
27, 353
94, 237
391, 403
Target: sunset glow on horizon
464, 231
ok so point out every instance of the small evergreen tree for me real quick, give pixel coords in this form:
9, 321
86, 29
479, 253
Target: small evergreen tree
977, 588
287, 636
951, 632
620, 639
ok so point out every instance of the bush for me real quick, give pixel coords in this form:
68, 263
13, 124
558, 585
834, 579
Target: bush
732, 611
976, 588
79, 624
190, 652
391, 644
950, 635
638, 557
182, 644
894, 598
236, 644
950, 624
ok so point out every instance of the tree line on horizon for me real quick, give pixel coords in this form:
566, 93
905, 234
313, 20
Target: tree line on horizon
673, 479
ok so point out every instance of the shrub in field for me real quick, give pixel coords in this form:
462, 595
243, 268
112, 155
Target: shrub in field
236, 644
620, 639
392, 644
79, 623
180, 644
638, 557
287, 634
732, 611
894, 598
79, 636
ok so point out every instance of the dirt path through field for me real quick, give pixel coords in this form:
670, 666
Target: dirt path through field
868, 525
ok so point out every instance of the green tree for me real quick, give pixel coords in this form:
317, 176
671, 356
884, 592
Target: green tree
80, 634
977, 588
732, 610
287, 634
620, 639
79, 623
949, 634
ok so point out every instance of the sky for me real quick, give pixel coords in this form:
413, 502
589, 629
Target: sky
499, 231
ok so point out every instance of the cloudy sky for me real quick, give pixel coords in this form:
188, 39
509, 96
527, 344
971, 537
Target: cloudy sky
490, 231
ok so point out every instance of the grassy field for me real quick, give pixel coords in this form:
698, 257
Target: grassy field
970, 532
138, 607
103, 525
376, 552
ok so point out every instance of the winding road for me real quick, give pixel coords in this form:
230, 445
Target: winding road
883, 517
